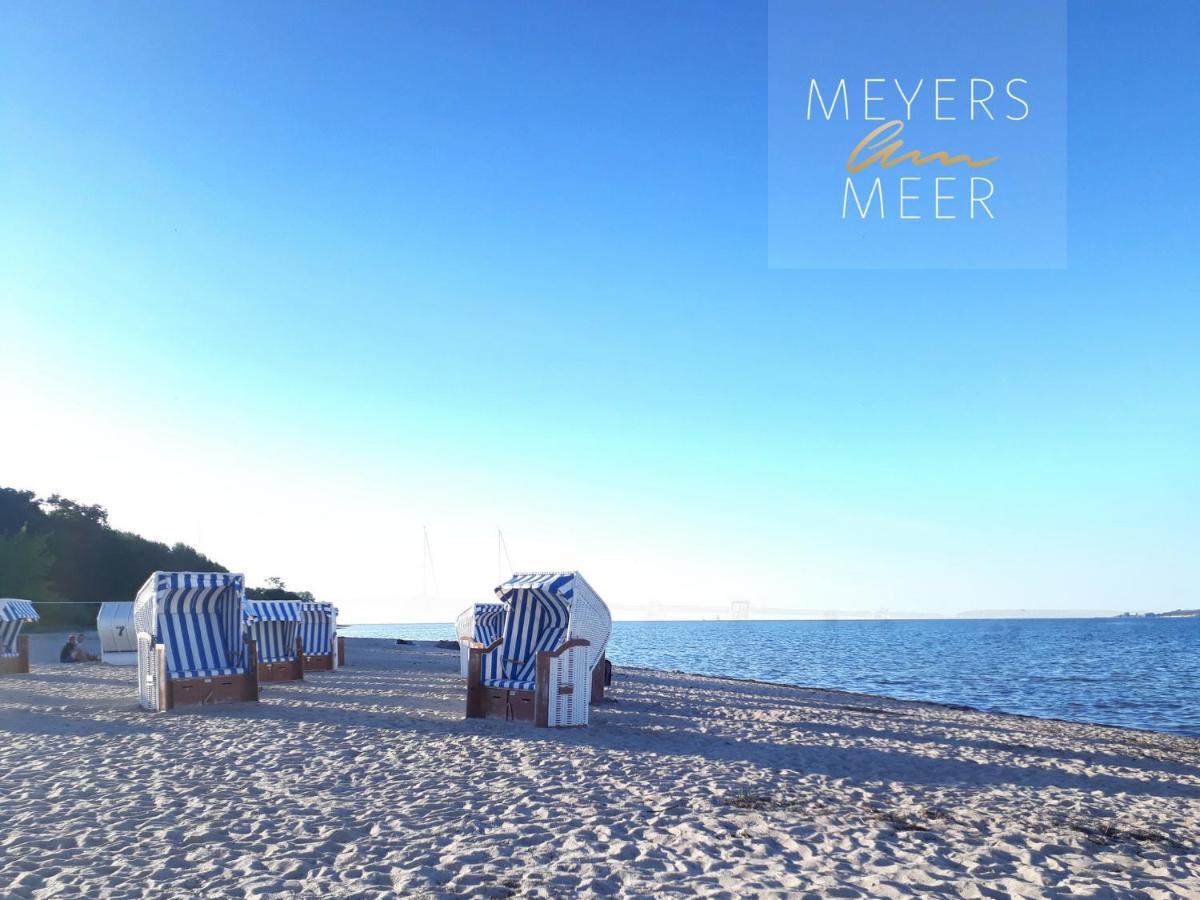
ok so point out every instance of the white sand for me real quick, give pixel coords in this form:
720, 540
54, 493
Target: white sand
368, 782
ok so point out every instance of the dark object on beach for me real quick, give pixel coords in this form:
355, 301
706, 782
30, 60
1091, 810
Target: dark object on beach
82, 654
73, 651
447, 645
764, 801
1106, 833
402, 641
607, 672
67, 653
900, 822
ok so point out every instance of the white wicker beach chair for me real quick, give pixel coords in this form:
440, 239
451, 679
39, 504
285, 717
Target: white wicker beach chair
274, 626
477, 625
191, 646
547, 664
14, 646
118, 637
323, 649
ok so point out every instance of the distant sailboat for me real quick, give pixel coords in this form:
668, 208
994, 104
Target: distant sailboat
428, 570
502, 556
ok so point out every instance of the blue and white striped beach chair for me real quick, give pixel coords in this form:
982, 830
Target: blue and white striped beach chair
191, 647
552, 641
323, 649
274, 626
477, 626
14, 646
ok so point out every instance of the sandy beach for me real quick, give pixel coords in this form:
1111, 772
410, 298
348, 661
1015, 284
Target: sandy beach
369, 782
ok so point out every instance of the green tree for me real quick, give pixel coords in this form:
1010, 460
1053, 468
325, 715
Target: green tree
58, 548
20, 509
69, 510
25, 566
276, 590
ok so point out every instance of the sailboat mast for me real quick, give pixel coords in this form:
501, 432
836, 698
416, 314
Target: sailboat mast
427, 559
502, 550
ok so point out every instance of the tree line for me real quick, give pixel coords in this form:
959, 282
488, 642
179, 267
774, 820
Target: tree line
67, 559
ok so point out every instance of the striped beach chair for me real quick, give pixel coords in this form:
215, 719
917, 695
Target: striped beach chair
14, 646
477, 626
323, 649
191, 646
274, 626
547, 664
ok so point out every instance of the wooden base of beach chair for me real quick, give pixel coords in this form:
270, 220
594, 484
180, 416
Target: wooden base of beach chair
499, 703
173, 692
318, 662
285, 670
521, 707
19, 664
479, 701
323, 662
483, 702
218, 689
288, 670
492, 702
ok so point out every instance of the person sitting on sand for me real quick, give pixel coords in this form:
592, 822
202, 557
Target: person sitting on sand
81, 655
67, 653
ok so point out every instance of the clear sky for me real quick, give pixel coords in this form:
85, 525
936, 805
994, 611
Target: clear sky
290, 281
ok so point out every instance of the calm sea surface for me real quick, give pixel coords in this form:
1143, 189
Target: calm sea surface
1141, 673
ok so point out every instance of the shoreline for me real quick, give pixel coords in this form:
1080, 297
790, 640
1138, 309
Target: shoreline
955, 707
369, 780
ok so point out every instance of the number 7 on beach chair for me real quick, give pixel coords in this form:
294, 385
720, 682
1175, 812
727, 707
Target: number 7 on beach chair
543, 665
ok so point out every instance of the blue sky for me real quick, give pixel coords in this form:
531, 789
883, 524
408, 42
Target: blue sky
291, 282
